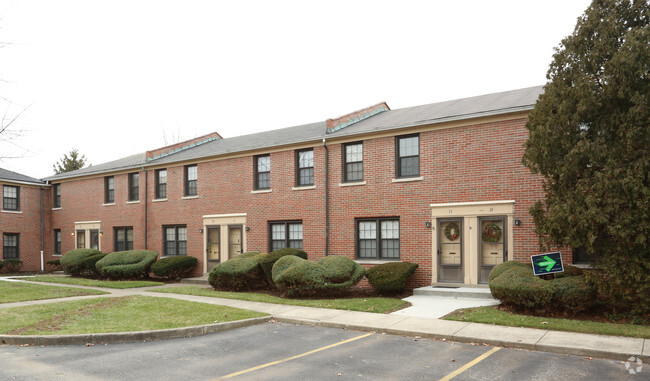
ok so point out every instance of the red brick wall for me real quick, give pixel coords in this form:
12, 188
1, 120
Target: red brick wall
27, 223
466, 164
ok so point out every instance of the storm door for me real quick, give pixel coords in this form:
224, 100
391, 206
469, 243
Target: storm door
234, 240
213, 247
450, 251
492, 245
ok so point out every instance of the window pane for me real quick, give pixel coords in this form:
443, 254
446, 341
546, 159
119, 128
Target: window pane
409, 146
390, 248
119, 234
295, 232
367, 230
410, 166
307, 176
192, 173
354, 153
182, 248
277, 232
306, 159
129, 235
10, 191
367, 248
182, 234
170, 233
275, 245
171, 248
264, 164
264, 180
389, 229
162, 176
354, 172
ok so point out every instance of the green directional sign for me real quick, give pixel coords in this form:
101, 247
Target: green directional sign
548, 263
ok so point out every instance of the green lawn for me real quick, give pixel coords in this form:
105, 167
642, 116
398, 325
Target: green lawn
20, 292
492, 315
121, 284
371, 304
105, 315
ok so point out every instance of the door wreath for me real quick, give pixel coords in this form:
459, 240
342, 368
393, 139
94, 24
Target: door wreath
452, 231
491, 232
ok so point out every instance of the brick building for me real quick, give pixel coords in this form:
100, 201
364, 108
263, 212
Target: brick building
441, 185
23, 219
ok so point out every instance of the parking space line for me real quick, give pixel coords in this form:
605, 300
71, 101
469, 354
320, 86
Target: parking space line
469, 364
231, 375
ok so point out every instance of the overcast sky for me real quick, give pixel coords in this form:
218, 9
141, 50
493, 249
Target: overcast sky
114, 78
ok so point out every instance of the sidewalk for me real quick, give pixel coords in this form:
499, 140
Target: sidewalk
611, 347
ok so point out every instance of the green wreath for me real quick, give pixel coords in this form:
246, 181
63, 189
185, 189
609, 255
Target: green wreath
491, 232
452, 231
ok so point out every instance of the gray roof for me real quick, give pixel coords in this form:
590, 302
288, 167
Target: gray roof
459, 109
9, 176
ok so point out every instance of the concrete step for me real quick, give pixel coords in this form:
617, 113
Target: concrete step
455, 292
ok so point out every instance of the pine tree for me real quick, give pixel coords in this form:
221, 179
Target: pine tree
589, 138
70, 163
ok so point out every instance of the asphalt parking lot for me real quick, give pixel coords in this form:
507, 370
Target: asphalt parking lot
276, 351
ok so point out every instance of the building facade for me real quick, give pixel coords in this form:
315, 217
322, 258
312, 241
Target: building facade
441, 185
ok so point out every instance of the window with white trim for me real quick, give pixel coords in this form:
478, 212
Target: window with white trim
378, 238
285, 234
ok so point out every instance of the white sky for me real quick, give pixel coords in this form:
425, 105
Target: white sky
113, 78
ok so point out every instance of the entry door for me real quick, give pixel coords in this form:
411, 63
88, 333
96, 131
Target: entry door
234, 240
450, 251
213, 247
492, 246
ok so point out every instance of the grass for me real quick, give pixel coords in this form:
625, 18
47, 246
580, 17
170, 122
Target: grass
120, 284
492, 315
370, 304
107, 315
21, 292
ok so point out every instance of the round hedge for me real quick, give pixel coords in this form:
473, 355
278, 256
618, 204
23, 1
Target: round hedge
74, 261
174, 267
131, 264
390, 278
268, 261
242, 272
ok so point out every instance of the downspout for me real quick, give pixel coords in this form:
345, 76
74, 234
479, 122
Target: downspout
146, 195
42, 231
327, 199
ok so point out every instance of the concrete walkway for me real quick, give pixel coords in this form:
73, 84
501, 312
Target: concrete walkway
612, 347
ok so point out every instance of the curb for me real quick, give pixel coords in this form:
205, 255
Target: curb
558, 349
129, 337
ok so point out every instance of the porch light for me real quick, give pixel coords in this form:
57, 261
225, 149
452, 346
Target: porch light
428, 224
517, 222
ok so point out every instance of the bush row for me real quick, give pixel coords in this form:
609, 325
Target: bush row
290, 271
515, 285
131, 264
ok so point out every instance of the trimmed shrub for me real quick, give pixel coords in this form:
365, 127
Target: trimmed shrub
573, 294
242, 272
390, 278
297, 276
500, 268
268, 261
13, 265
174, 267
74, 261
91, 263
516, 286
131, 264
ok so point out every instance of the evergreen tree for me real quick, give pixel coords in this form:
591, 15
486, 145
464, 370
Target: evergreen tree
70, 163
590, 141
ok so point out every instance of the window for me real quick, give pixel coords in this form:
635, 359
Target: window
285, 234
262, 172
175, 240
161, 183
94, 239
81, 239
56, 193
11, 246
305, 167
408, 156
109, 190
123, 238
134, 186
11, 198
57, 241
582, 256
191, 176
353, 162
378, 238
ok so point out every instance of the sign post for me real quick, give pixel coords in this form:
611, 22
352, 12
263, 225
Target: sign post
548, 263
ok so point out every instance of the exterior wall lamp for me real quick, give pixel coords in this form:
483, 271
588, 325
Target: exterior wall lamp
428, 224
248, 228
517, 222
